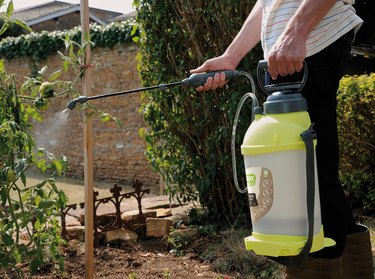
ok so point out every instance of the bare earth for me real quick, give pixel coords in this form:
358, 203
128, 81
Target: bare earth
146, 259
149, 258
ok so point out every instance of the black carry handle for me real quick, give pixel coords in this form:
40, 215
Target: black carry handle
268, 89
308, 137
199, 79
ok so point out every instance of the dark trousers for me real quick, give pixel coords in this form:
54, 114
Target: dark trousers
325, 69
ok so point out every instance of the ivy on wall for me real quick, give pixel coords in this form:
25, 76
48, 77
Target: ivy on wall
40, 45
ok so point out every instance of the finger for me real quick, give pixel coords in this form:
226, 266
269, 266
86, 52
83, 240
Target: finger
282, 70
222, 80
209, 84
290, 68
216, 81
200, 69
272, 68
299, 66
205, 67
200, 88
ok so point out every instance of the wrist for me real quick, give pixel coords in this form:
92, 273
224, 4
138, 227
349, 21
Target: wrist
232, 59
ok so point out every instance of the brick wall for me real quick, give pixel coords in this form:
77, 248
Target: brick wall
118, 152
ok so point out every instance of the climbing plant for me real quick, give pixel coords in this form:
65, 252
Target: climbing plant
28, 210
30, 214
40, 45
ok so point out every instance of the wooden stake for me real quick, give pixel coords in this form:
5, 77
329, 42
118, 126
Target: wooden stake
88, 150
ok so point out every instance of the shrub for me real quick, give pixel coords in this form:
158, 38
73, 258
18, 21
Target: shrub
356, 119
189, 140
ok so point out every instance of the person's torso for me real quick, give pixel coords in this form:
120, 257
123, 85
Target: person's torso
338, 21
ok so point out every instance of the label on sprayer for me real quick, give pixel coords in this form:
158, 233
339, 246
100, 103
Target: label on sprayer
260, 191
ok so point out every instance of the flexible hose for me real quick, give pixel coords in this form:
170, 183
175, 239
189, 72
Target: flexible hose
254, 104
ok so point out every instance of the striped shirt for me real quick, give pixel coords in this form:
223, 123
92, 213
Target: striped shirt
338, 21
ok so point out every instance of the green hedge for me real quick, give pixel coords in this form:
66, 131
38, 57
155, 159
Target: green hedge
40, 45
356, 120
189, 138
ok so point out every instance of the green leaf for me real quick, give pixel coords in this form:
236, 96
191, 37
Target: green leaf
40, 152
105, 117
134, 30
23, 179
44, 204
135, 39
4, 27
58, 166
117, 121
10, 9
66, 66
17, 255
142, 132
63, 199
25, 196
21, 166
8, 240
39, 215
148, 139
22, 24
55, 75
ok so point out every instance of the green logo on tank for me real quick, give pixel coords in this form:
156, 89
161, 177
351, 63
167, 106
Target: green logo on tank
251, 179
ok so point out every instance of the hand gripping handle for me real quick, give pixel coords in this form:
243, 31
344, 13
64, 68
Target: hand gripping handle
268, 89
199, 79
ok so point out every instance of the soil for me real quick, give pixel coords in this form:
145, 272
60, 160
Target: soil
149, 259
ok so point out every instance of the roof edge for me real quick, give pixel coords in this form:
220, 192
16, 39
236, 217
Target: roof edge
61, 13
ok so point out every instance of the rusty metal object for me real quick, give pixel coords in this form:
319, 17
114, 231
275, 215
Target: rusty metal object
112, 221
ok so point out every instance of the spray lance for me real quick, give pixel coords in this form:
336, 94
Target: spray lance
193, 81
280, 166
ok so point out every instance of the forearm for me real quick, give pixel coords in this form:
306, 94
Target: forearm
289, 51
309, 14
247, 37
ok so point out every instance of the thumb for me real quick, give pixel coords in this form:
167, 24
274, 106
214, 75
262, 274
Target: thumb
200, 69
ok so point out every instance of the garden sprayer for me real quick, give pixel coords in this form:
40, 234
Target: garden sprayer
280, 167
281, 177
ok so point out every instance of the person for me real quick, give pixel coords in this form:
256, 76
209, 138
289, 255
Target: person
319, 32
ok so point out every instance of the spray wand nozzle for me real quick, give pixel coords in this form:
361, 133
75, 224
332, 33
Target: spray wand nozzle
193, 81
80, 99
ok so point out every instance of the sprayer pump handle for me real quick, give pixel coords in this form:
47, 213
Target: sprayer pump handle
269, 89
199, 79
